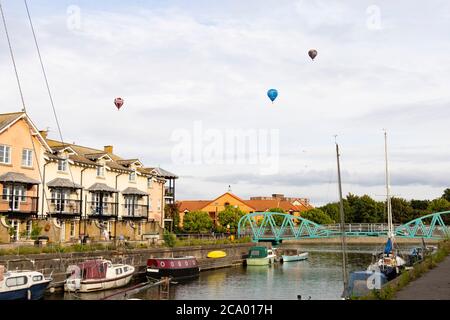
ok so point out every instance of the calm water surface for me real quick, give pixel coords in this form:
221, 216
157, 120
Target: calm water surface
319, 277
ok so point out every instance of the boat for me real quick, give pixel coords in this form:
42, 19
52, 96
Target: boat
293, 255
216, 254
22, 285
260, 256
176, 267
97, 275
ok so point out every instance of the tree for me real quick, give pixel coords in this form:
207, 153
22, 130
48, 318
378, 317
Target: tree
197, 221
230, 216
439, 205
402, 211
317, 216
172, 211
446, 194
364, 209
278, 218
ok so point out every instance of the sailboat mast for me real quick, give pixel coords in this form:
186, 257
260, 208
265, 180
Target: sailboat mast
388, 200
341, 210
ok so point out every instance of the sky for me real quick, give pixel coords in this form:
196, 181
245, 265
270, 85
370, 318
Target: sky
194, 76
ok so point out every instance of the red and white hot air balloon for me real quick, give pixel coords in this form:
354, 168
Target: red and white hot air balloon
118, 102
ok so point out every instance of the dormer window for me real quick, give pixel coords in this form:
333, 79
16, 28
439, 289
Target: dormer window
101, 171
132, 176
62, 165
150, 183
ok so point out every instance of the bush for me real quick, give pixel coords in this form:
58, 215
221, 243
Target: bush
169, 239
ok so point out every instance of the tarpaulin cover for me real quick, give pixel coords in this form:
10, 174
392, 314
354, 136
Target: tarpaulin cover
93, 269
388, 247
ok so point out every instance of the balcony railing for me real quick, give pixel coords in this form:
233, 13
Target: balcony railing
18, 204
65, 207
104, 209
134, 211
168, 192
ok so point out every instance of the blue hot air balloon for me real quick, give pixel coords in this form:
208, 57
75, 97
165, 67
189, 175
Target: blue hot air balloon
272, 94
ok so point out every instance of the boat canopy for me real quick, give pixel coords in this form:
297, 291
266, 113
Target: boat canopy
93, 269
258, 252
388, 248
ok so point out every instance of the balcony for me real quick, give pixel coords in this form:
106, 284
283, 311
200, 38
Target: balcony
101, 210
64, 208
18, 206
137, 211
169, 192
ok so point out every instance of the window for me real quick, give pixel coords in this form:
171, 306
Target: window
101, 171
118, 271
132, 176
159, 204
150, 183
62, 165
150, 204
15, 225
140, 228
125, 269
37, 278
27, 158
5, 154
16, 281
29, 228
72, 229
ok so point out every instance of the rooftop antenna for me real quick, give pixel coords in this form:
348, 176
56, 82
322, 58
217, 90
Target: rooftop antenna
229, 188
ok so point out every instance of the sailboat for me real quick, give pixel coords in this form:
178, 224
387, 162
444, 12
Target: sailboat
389, 262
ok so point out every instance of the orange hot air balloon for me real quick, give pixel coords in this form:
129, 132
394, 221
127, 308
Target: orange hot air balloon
312, 53
118, 102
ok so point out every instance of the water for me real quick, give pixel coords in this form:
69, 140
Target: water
319, 277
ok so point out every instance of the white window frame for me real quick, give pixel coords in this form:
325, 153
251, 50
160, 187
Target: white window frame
101, 171
5, 152
150, 204
132, 176
62, 165
72, 229
15, 224
27, 158
150, 183
29, 228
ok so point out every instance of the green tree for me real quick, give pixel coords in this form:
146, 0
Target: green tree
230, 216
446, 194
197, 221
317, 216
277, 218
439, 205
364, 209
401, 210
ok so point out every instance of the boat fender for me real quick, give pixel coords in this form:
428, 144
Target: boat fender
28, 294
162, 264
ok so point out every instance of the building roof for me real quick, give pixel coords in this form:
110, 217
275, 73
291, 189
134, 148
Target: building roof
192, 205
7, 118
265, 205
160, 172
63, 183
101, 187
134, 191
17, 177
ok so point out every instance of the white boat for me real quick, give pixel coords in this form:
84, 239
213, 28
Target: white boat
297, 255
22, 285
96, 275
260, 256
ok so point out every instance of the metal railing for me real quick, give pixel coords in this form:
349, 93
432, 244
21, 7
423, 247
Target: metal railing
359, 227
18, 204
134, 211
98, 209
64, 206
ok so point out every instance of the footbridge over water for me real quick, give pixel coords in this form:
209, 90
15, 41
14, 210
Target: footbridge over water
275, 227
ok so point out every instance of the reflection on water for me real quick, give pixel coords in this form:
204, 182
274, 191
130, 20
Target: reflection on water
319, 277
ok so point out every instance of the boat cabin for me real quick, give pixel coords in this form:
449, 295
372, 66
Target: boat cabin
258, 252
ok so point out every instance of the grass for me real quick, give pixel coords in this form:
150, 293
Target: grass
55, 248
389, 290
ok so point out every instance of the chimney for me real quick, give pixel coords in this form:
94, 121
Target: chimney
108, 149
43, 133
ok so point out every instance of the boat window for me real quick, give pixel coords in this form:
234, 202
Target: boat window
16, 281
37, 278
119, 271
125, 269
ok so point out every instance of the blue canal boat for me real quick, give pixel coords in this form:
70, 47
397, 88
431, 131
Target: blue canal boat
22, 285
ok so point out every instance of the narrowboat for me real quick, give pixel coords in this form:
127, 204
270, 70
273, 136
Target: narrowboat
260, 256
176, 268
294, 255
22, 285
96, 275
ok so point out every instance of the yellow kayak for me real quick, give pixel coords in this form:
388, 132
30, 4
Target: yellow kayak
216, 254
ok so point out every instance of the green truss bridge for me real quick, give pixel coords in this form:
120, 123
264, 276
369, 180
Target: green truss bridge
275, 227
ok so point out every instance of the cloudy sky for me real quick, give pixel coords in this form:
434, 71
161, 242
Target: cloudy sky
194, 76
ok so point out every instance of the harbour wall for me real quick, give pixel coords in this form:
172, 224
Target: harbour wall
57, 263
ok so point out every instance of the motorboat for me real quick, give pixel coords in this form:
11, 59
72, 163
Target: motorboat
96, 275
22, 285
260, 256
179, 268
293, 255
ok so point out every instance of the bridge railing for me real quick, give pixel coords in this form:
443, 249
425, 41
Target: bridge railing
359, 227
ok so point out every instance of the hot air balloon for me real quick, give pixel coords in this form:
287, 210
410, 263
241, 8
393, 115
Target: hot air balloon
118, 102
272, 94
312, 53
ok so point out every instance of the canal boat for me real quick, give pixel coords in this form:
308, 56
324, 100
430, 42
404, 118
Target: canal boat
97, 275
22, 285
260, 256
216, 254
293, 255
179, 268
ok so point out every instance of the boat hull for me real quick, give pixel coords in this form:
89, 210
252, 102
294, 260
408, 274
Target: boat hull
36, 292
176, 274
260, 261
297, 257
99, 285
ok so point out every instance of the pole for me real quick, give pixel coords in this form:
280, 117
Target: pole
388, 202
343, 240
